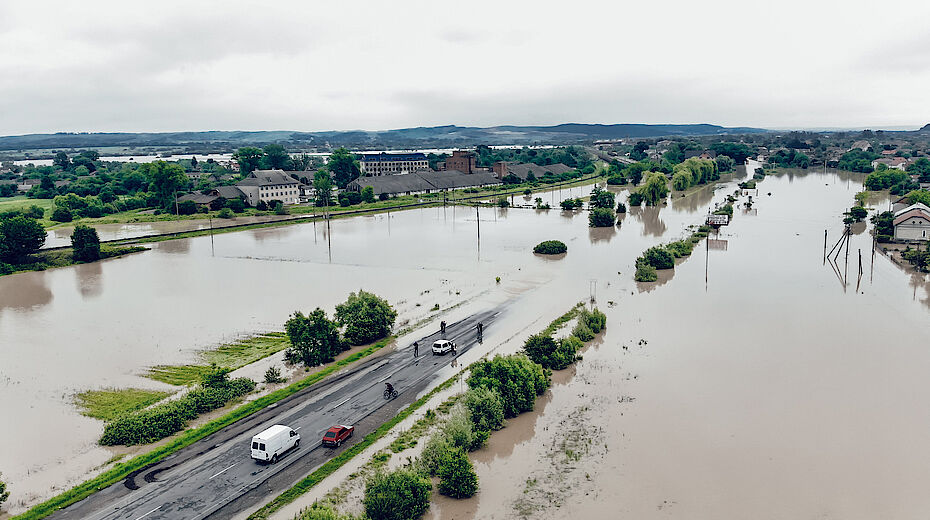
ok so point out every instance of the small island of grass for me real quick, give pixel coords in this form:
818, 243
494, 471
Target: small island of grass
550, 247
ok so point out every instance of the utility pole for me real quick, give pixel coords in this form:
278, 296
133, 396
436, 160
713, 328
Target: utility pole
824, 247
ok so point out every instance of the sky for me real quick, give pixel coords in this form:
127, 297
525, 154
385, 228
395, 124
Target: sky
100, 66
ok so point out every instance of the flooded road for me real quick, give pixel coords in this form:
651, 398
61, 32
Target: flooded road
762, 376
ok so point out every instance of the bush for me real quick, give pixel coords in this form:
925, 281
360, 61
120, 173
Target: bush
279, 209
658, 257
601, 217
366, 317
594, 319
549, 353
398, 495
516, 378
680, 248
435, 451
236, 205
273, 375
85, 243
570, 204
20, 237
582, 331
621, 208
636, 199
503, 202
318, 511
4, 494
457, 477
225, 213
314, 339
368, 194
550, 247
62, 215
187, 207
646, 273
160, 421
459, 431
383, 196
485, 408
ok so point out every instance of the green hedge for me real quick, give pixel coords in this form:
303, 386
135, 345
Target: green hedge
550, 247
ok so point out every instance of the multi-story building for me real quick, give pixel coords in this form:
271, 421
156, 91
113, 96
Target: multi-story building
463, 161
268, 185
375, 164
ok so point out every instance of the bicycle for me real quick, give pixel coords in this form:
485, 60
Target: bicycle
390, 394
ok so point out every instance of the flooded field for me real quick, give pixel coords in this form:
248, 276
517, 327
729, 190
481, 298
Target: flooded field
763, 386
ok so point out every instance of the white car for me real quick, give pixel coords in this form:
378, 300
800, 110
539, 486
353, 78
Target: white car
442, 346
273, 442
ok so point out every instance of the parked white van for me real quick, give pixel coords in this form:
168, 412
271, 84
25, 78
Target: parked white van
268, 445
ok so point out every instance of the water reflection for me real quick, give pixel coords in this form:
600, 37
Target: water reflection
653, 225
698, 199
174, 246
89, 279
601, 234
24, 291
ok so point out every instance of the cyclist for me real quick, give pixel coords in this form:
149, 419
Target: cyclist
388, 388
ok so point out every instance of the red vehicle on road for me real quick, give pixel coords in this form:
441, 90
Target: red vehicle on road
336, 435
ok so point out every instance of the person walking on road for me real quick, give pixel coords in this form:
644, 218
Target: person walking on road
442, 328
480, 331
416, 349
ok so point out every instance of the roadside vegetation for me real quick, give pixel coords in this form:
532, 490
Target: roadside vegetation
232, 356
108, 404
663, 256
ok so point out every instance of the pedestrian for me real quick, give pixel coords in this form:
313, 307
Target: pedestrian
455, 362
416, 349
442, 328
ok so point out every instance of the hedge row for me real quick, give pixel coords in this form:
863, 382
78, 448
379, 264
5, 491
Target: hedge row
162, 420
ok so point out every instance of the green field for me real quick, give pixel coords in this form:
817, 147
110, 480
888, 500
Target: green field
232, 356
109, 403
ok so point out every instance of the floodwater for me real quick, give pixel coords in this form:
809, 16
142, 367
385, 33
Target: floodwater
758, 382
763, 378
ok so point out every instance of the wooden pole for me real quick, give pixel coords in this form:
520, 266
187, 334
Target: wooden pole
825, 247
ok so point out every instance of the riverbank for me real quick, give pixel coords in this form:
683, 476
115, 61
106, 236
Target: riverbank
44, 259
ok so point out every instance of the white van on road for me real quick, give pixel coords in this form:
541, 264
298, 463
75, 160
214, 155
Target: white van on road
268, 445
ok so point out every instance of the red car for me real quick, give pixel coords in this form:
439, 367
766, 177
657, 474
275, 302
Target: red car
336, 435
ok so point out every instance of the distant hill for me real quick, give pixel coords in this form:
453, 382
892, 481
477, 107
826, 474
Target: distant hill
420, 137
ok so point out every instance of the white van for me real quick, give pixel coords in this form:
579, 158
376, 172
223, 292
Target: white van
268, 445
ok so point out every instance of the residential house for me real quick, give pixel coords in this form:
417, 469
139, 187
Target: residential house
912, 223
27, 184
201, 200
862, 145
384, 163
901, 203
898, 163
707, 155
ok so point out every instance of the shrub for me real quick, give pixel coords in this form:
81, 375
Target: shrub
582, 331
368, 194
621, 208
383, 196
658, 257
726, 209
62, 215
550, 247
570, 204
20, 237
485, 408
594, 319
236, 205
636, 199
601, 217
680, 248
503, 202
435, 451
314, 338
35, 212
516, 378
4, 494
460, 432
646, 273
550, 353
85, 243
187, 207
225, 213
457, 477
273, 375
318, 511
279, 209
366, 317
398, 495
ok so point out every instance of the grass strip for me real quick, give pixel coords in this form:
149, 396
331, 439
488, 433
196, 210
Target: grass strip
62, 257
337, 462
562, 320
110, 403
232, 356
123, 469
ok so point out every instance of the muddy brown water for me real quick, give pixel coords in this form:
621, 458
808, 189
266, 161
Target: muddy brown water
766, 388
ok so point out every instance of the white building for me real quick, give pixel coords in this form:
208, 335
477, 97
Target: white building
375, 164
269, 185
912, 223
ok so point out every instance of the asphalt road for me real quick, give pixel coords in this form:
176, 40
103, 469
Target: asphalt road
216, 478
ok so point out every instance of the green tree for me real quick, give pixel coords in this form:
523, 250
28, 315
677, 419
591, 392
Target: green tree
725, 163
739, 152
62, 215
921, 196
485, 408
550, 353
658, 257
276, 157
920, 167
85, 243
62, 161
601, 198
366, 317
654, 188
399, 495
457, 477
314, 338
323, 187
344, 167
20, 237
236, 205
4, 494
884, 226
249, 159
301, 162
601, 217
516, 378
368, 194
165, 179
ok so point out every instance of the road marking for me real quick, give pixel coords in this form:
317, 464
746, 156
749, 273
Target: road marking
220, 473
342, 403
150, 512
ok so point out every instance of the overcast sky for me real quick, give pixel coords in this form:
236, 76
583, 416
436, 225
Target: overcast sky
313, 65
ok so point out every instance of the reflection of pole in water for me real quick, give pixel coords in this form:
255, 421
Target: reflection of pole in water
872, 262
478, 222
824, 247
592, 289
329, 241
212, 248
